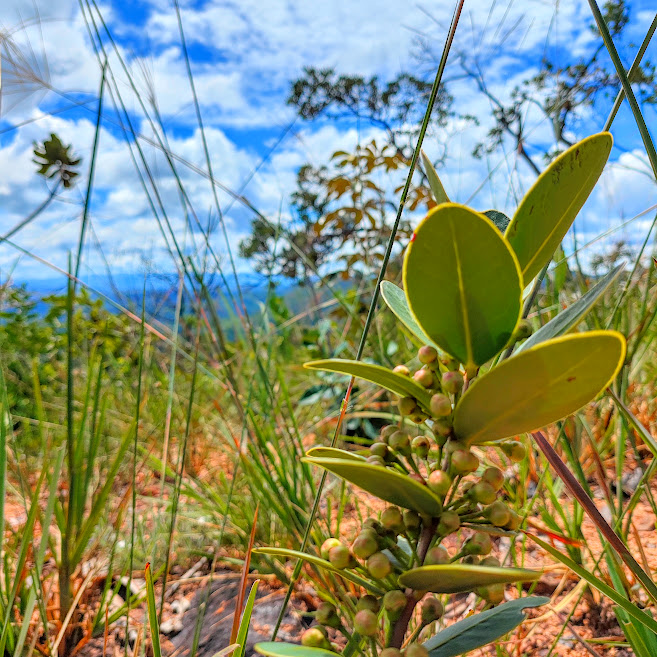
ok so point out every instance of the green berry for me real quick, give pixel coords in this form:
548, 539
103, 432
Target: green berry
379, 449
421, 446
390, 652
440, 406
490, 561
479, 544
313, 637
371, 523
399, 441
394, 603
327, 614
523, 330
449, 522
436, 556
366, 623
498, 514
392, 519
340, 556
493, 593
442, 428
424, 378
401, 369
368, 602
327, 545
427, 354
379, 566
416, 650
432, 610
387, 431
411, 520
514, 521
439, 482
365, 545
464, 461
407, 405
483, 493
418, 416
452, 382
470, 560
494, 476
375, 460
515, 450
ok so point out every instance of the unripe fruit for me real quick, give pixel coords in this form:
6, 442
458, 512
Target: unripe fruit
439, 482
523, 330
450, 363
442, 428
418, 416
421, 446
390, 652
339, 556
493, 593
365, 545
514, 521
394, 603
327, 614
379, 449
411, 520
470, 560
452, 382
494, 476
498, 514
515, 450
388, 430
479, 544
366, 622
490, 561
464, 461
368, 602
393, 519
432, 610
466, 486
483, 493
436, 556
313, 637
401, 369
427, 354
440, 406
399, 441
416, 650
449, 522
379, 566
327, 545
407, 405
371, 523
375, 460
424, 378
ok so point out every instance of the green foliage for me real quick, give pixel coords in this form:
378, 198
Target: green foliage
458, 578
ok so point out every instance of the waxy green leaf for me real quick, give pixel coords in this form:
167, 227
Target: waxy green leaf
279, 649
549, 208
481, 629
539, 386
333, 453
396, 299
571, 316
398, 383
462, 282
320, 563
437, 190
456, 578
387, 484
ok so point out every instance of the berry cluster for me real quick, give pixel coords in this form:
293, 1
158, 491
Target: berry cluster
401, 539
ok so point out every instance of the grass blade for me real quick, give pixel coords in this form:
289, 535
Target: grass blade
152, 612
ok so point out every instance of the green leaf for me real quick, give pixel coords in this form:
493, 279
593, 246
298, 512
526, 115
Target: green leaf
320, 563
243, 632
539, 386
462, 283
569, 318
437, 189
481, 629
387, 484
456, 578
396, 299
276, 649
560, 269
398, 383
333, 453
549, 208
499, 219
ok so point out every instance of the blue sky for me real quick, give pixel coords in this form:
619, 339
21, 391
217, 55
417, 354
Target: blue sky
244, 55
